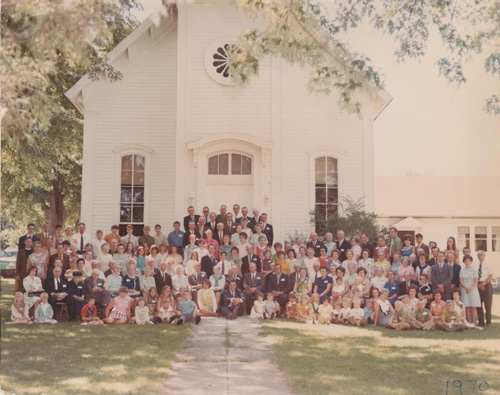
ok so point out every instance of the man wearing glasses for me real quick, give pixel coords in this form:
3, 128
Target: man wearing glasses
30, 234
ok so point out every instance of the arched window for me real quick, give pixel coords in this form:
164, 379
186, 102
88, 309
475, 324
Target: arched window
132, 193
225, 164
326, 190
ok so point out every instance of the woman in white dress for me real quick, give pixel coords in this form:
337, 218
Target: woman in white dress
258, 307
104, 257
189, 268
33, 287
39, 260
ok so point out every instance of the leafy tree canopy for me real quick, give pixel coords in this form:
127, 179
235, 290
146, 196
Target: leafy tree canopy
47, 46
301, 32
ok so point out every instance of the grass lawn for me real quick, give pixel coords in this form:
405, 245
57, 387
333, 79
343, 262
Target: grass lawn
67, 358
346, 360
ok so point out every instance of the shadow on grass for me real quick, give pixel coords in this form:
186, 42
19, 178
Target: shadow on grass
361, 364
67, 358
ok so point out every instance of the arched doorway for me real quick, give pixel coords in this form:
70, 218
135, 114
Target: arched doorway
230, 170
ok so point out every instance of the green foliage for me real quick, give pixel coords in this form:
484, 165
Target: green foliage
301, 32
353, 221
46, 48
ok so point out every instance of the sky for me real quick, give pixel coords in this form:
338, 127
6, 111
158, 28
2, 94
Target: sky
431, 127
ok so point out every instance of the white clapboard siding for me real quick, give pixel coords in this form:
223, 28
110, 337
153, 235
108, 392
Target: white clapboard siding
139, 110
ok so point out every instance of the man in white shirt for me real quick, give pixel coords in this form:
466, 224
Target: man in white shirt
485, 289
224, 265
98, 242
81, 239
129, 237
299, 242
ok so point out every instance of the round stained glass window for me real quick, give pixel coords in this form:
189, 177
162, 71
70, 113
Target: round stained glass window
217, 61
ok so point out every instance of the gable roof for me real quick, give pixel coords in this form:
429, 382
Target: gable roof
154, 26
126, 52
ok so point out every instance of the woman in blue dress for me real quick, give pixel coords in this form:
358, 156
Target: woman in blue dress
468, 286
407, 249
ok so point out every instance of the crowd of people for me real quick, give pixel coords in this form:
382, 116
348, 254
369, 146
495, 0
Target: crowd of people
229, 265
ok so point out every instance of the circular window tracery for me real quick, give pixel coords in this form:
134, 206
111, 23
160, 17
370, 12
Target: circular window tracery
217, 61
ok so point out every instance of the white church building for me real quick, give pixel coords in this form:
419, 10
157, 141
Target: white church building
175, 131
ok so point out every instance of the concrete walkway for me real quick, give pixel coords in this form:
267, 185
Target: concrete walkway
227, 357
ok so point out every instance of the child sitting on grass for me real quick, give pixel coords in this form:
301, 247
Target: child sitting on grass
422, 318
304, 311
325, 312
400, 319
167, 313
337, 306
19, 311
259, 307
450, 319
89, 313
141, 316
368, 312
357, 315
291, 306
271, 307
315, 307
44, 312
188, 309
345, 311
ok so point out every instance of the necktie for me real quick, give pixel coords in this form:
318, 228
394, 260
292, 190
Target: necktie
232, 294
223, 267
81, 244
480, 270
220, 236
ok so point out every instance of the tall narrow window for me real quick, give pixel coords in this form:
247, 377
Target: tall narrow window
481, 238
326, 190
132, 193
463, 237
495, 238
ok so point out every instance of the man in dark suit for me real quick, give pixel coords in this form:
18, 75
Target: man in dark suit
21, 262
200, 227
279, 286
244, 214
222, 216
190, 217
59, 255
404, 286
316, 244
29, 235
233, 276
44, 235
211, 223
233, 302
267, 229
442, 276
254, 220
366, 244
57, 288
206, 214
420, 244
455, 283
191, 230
162, 278
229, 224
342, 245
253, 283
435, 251
209, 261
196, 280
251, 257
219, 233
